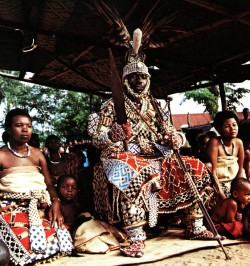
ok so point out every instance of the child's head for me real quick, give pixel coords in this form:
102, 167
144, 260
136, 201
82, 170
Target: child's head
67, 187
240, 190
226, 123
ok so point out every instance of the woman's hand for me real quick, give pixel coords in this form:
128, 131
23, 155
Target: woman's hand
55, 214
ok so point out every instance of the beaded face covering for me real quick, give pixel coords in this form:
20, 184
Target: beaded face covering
140, 95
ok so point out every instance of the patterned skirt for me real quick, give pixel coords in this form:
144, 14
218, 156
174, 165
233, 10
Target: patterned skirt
29, 242
132, 177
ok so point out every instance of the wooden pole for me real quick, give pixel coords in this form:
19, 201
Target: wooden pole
223, 97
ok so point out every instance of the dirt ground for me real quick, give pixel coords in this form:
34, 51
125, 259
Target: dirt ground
240, 255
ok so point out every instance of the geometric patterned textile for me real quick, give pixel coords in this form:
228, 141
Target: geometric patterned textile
65, 241
129, 173
37, 239
102, 195
176, 193
24, 243
166, 151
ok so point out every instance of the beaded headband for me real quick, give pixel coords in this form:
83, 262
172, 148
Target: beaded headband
135, 58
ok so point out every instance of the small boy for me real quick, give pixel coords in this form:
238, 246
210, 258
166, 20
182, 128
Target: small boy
225, 152
67, 189
226, 214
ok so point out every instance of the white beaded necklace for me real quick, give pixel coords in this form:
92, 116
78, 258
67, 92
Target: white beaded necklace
53, 162
17, 154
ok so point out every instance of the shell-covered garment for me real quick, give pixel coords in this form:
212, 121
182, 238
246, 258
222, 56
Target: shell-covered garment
135, 172
147, 132
23, 226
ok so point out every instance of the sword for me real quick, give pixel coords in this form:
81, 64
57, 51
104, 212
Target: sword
117, 95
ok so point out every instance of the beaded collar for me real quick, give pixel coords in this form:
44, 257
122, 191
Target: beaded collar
17, 154
223, 145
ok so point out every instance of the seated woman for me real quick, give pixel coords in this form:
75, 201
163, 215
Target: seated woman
26, 190
225, 152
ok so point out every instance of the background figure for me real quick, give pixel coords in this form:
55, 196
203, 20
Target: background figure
227, 214
5, 137
244, 124
202, 143
192, 136
245, 113
225, 152
34, 140
85, 175
60, 163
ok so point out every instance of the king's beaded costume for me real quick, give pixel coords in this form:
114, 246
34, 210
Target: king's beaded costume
147, 176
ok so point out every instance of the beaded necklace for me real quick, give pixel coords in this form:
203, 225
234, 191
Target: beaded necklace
223, 145
53, 162
17, 154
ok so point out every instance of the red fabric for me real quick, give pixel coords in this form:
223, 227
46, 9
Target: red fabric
174, 180
231, 230
176, 193
135, 161
19, 224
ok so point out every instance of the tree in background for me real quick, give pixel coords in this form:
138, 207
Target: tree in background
204, 97
53, 111
209, 97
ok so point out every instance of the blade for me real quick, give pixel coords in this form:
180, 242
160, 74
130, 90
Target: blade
117, 92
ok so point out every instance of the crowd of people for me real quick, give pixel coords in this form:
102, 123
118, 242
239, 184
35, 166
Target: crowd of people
129, 176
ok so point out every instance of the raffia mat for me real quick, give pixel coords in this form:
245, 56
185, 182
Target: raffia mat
170, 244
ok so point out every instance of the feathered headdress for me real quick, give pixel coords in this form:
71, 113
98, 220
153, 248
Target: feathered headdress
134, 57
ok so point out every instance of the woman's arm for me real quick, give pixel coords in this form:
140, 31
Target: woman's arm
241, 172
212, 151
55, 214
246, 163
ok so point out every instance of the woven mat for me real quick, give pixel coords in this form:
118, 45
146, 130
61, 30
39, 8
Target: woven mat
171, 244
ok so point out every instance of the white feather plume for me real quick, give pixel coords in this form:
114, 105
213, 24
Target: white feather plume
137, 37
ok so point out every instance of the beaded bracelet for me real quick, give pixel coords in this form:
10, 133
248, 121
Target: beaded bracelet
55, 198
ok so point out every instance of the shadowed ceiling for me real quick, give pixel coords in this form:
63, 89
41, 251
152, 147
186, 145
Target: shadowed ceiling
66, 43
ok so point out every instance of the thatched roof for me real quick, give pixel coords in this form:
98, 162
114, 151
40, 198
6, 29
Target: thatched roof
188, 40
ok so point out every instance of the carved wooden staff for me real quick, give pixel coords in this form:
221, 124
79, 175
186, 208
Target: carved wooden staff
192, 186
196, 194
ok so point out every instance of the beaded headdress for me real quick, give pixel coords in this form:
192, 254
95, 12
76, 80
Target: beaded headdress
134, 57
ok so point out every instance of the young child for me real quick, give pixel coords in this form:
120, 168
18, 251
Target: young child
67, 189
225, 152
226, 214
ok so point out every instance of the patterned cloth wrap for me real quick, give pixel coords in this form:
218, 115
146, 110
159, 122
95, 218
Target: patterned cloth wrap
134, 175
28, 236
